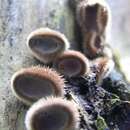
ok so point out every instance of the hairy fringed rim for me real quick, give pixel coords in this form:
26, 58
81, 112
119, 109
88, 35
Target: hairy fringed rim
33, 83
46, 44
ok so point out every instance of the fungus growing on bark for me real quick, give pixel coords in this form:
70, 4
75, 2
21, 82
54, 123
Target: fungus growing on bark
93, 17
33, 83
46, 44
93, 45
71, 63
52, 114
104, 67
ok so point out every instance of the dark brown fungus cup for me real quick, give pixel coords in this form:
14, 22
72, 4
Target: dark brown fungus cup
46, 44
52, 114
31, 84
93, 15
93, 45
71, 63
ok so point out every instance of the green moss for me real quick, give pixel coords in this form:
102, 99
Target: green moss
101, 124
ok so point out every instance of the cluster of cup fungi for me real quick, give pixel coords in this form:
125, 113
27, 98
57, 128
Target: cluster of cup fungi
45, 88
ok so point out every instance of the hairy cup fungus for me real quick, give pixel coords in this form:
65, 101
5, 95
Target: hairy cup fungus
71, 64
52, 114
93, 18
46, 44
33, 83
104, 66
93, 15
93, 45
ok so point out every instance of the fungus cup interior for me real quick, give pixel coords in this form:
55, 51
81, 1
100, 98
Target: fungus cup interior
32, 87
71, 63
95, 17
70, 66
46, 44
91, 16
54, 117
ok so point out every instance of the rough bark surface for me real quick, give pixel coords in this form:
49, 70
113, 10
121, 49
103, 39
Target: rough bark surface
17, 19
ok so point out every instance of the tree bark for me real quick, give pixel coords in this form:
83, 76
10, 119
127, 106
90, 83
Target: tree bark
17, 19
